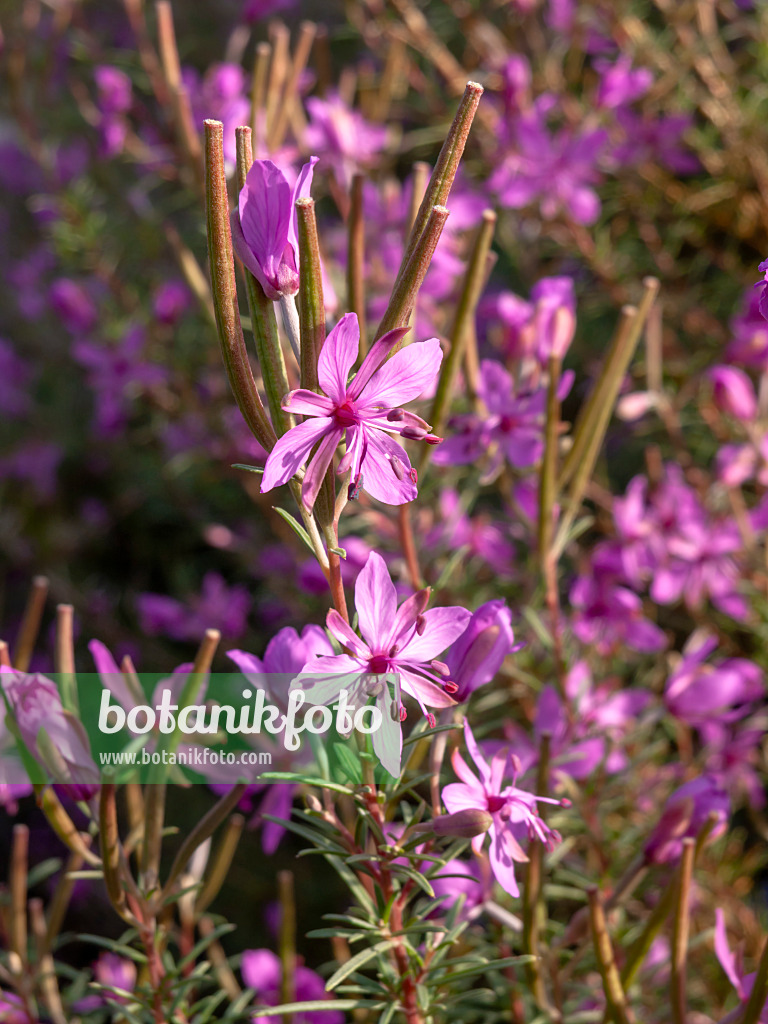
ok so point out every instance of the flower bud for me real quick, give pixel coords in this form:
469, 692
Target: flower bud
733, 392
463, 824
475, 658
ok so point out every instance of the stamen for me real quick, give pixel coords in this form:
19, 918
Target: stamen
421, 624
395, 415
403, 713
354, 488
431, 720
450, 687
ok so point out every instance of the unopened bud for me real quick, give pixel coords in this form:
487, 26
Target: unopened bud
463, 824
313, 804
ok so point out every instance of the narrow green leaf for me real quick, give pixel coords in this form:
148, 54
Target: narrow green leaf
296, 526
357, 961
251, 469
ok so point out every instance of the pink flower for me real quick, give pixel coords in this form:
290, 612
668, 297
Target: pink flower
366, 411
513, 810
763, 286
264, 226
53, 736
403, 641
262, 972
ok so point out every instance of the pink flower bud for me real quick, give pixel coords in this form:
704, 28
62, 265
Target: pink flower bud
733, 392
463, 824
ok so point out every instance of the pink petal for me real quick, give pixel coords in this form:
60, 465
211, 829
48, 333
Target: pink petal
337, 358
502, 859
318, 467
425, 693
376, 355
247, 257
443, 626
111, 676
307, 403
474, 753
724, 954
404, 377
300, 191
345, 634
265, 212
379, 477
292, 450
375, 601
248, 664
467, 776
458, 797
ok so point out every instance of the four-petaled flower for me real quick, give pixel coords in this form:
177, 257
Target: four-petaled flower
403, 641
513, 810
367, 410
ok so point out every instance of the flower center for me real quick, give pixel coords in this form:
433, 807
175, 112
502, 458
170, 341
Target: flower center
378, 664
495, 803
346, 415
507, 423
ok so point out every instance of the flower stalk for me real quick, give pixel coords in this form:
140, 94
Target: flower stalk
222, 269
30, 623
680, 931
618, 1011
263, 320
356, 259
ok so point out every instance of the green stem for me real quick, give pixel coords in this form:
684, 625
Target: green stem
224, 289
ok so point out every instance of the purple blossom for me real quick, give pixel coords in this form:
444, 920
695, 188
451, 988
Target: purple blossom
700, 693
263, 972
264, 226
667, 538
762, 304
114, 89
607, 615
116, 373
649, 139
733, 392
478, 534
365, 412
53, 736
286, 655
343, 136
170, 301
685, 814
257, 10
587, 733
513, 428
556, 167
221, 94
36, 463
478, 654
71, 302
513, 810
620, 84
750, 331
217, 606
110, 972
405, 641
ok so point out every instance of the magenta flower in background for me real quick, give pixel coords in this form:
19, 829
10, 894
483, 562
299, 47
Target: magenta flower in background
12, 1009
221, 94
608, 615
478, 654
112, 972
722, 692
513, 428
620, 84
216, 606
733, 392
343, 136
762, 304
513, 810
71, 302
404, 641
36, 463
264, 226
541, 327
170, 301
36, 706
365, 412
286, 654
749, 331
556, 167
263, 972
685, 814
116, 373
